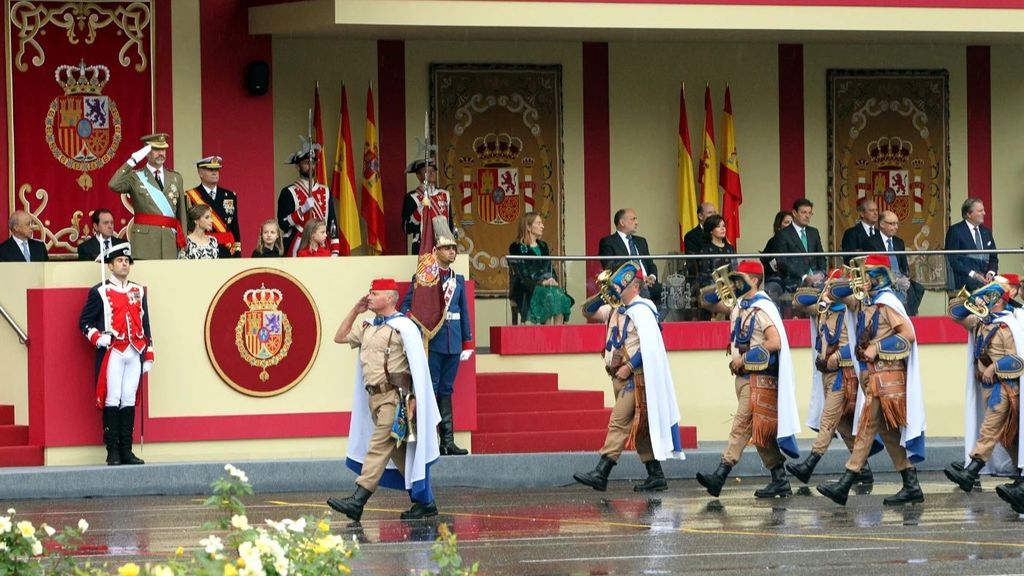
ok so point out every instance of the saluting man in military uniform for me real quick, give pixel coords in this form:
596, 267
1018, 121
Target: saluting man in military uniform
157, 195
224, 204
296, 205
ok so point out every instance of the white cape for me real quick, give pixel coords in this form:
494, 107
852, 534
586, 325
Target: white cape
660, 391
789, 416
419, 455
817, 386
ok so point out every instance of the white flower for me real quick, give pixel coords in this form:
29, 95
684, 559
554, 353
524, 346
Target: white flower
83, 525
295, 525
37, 548
236, 472
212, 544
5, 524
26, 529
281, 565
49, 531
279, 526
240, 521
3, 545
161, 570
10, 511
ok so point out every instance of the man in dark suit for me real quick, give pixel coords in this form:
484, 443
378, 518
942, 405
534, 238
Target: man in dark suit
908, 291
626, 245
855, 239
21, 247
102, 236
694, 240
971, 270
222, 202
800, 236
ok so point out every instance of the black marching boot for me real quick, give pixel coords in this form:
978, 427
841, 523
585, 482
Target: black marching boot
713, 483
353, 505
964, 476
866, 477
420, 511
1013, 494
598, 477
110, 435
839, 491
447, 428
779, 486
126, 422
803, 470
655, 481
910, 493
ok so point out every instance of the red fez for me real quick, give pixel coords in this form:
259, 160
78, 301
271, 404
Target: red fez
1012, 279
835, 274
383, 285
877, 260
750, 267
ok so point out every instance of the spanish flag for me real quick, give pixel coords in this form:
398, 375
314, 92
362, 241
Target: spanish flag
343, 183
687, 185
709, 158
373, 195
729, 175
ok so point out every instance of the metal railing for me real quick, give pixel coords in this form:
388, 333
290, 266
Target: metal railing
22, 337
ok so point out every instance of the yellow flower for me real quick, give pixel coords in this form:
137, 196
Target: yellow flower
323, 526
129, 569
229, 570
26, 529
240, 562
180, 551
344, 569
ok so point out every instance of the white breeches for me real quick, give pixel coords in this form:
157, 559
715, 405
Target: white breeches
123, 371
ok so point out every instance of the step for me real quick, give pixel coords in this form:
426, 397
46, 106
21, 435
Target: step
6, 414
540, 421
561, 401
547, 441
511, 382
21, 456
12, 435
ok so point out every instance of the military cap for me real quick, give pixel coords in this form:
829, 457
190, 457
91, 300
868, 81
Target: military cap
157, 141
418, 165
210, 163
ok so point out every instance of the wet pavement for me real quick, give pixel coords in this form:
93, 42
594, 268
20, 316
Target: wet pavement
576, 530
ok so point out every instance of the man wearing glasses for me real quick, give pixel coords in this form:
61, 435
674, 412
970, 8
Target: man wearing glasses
908, 291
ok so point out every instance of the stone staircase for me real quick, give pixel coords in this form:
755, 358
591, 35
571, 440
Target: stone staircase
14, 447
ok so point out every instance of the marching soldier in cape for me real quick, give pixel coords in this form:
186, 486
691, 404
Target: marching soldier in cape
646, 415
224, 205
893, 407
296, 206
157, 197
835, 382
766, 414
391, 441
995, 347
415, 203
115, 320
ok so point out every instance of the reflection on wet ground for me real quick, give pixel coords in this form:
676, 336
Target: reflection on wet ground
575, 530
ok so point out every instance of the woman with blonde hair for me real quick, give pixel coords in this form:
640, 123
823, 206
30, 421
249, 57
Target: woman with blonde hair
314, 240
199, 245
533, 287
270, 244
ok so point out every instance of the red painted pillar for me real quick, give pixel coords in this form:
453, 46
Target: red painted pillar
596, 152
390, 94
791, 124
979, 131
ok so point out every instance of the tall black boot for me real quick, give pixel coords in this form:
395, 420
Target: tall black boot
447, 428
714, 482
1013, 494
839, 491
353, 505
803, 470
655, 481
126, 421
779, 486
910, 493
419, 511
110, 435
964, 477
866, 477
598, 477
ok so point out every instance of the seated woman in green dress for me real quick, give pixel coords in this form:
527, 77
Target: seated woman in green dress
533, 287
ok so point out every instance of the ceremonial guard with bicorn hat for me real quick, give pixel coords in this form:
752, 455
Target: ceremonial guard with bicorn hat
115, 320
223, 204
995, 362
766, 414
892, 405
296, 206
157, 197
391, 439
646, 414
426, 198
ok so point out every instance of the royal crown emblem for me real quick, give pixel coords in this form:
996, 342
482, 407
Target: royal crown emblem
890, 185
83, 126
263, 334
500, 198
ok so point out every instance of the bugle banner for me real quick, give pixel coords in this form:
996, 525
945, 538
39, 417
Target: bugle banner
80, 81
888, 141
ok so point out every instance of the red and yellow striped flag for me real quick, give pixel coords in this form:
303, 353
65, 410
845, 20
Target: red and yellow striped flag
318, 137
687, 185
343, 184
373, 194
729, 174
709, 157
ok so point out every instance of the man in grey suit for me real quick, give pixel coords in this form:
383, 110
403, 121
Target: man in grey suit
157, 196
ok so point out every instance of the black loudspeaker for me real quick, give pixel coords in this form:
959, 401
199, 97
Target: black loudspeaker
257, 77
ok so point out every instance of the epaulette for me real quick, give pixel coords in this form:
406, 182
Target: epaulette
709, 297
805, 301
1009, 367
756, 359
893, 347
845, 356
839, 289
956, 309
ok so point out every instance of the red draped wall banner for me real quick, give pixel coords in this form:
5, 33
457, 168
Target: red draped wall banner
81, 96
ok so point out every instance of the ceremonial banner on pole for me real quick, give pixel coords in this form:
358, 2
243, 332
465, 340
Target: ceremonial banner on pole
318, 137
687, 185
888, 141
80, 77
343, 183
373, 194
709, 157
729, 176
427, 307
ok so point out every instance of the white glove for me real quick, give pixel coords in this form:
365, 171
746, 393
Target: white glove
103, 341
465, 355
990, 275
140, 154
307, 205
147, 366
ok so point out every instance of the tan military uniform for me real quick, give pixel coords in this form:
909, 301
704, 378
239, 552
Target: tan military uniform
836, 415
621, 422
872, 422
380, 345
993, 428
742, 421
152, 242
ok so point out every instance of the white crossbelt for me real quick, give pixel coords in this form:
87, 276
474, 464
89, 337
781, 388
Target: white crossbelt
453, 316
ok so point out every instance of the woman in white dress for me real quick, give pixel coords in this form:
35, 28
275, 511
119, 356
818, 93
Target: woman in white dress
199, 245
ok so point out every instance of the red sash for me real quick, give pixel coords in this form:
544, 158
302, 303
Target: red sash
221, 233
163, 222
